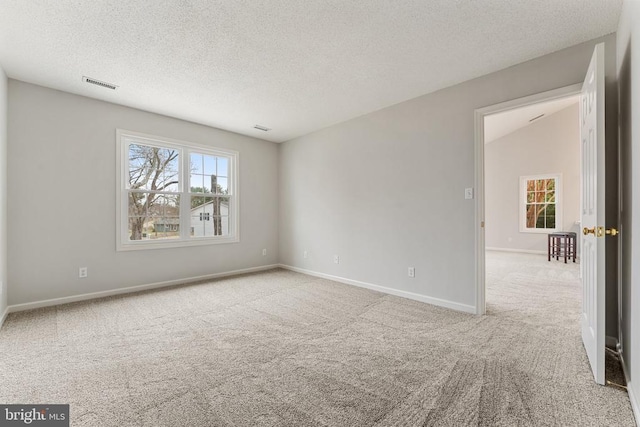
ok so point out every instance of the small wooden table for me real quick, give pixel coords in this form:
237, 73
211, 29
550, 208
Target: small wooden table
561, 244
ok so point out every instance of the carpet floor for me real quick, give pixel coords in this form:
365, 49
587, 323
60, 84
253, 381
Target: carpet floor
283, 349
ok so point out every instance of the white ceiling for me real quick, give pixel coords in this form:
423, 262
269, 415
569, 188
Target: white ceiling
295, 66
501, 124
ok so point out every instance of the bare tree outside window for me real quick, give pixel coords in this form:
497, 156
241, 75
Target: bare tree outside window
153, 177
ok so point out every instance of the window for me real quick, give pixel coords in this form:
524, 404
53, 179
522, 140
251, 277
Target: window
540, 203
173, 193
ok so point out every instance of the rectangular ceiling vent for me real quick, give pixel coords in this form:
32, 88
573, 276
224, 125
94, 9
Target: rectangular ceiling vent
262, 128
99, 83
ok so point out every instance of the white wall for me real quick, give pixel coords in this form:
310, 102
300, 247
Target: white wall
548, 145
628, 68
3, 194
385, 191
62, 162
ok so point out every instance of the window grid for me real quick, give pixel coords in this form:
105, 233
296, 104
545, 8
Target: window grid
539, 203
158, 200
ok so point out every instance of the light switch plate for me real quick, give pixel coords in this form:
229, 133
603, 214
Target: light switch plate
468, 193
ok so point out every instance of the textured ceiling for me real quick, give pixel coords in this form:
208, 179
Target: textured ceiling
294, 66
501, 124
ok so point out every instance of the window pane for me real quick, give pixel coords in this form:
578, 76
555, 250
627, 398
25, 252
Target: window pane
210, 183
532, 215
540, 220
551, 216
209, 165
137, 204
153, 168
154, 228
222, 187
209, 216
550, 197
551, 221
530, 197
531, 185
136, 228
170, 170
540, 185
196, 163
196, 183
200, 216
551, 184
168, 205
223, 166
153, 216
164, 227
222, 227
540, 196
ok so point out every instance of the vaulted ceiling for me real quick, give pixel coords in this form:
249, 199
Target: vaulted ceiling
293, 66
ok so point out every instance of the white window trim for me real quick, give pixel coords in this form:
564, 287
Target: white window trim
122, 240
522, 196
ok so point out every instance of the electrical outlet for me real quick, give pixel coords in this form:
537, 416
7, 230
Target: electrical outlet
83, 272
264, 252
306, 255
336, 259
412, 272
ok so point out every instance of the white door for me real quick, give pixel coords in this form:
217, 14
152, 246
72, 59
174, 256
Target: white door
592, 213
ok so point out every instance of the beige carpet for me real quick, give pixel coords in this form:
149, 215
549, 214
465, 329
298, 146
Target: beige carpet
280, 348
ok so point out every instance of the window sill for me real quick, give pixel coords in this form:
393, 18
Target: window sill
540, 231
146, 245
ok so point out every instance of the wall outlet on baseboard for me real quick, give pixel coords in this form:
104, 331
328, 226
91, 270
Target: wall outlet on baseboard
411, 272
83, 272
336, 259
264, 252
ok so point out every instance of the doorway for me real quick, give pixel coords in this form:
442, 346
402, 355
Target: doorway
534, 224
532, 191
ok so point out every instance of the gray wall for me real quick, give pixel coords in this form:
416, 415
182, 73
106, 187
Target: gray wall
386, 190
3, 193
62, 162
628, 61
549, 145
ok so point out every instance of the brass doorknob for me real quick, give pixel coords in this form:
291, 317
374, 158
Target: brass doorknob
611, 231
586, 231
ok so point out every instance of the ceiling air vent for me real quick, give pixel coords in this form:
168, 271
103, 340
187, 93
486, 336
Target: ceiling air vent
262, 128
99, 83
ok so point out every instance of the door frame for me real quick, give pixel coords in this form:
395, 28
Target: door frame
479, 115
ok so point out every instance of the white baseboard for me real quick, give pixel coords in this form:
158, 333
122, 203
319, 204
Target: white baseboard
522, 251
635, 404
102, 294
4, 316
633, 398
405, 294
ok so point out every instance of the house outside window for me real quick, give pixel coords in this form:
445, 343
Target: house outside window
540, 203
174, 193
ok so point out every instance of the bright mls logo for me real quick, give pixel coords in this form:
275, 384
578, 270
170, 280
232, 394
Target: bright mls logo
34, 415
